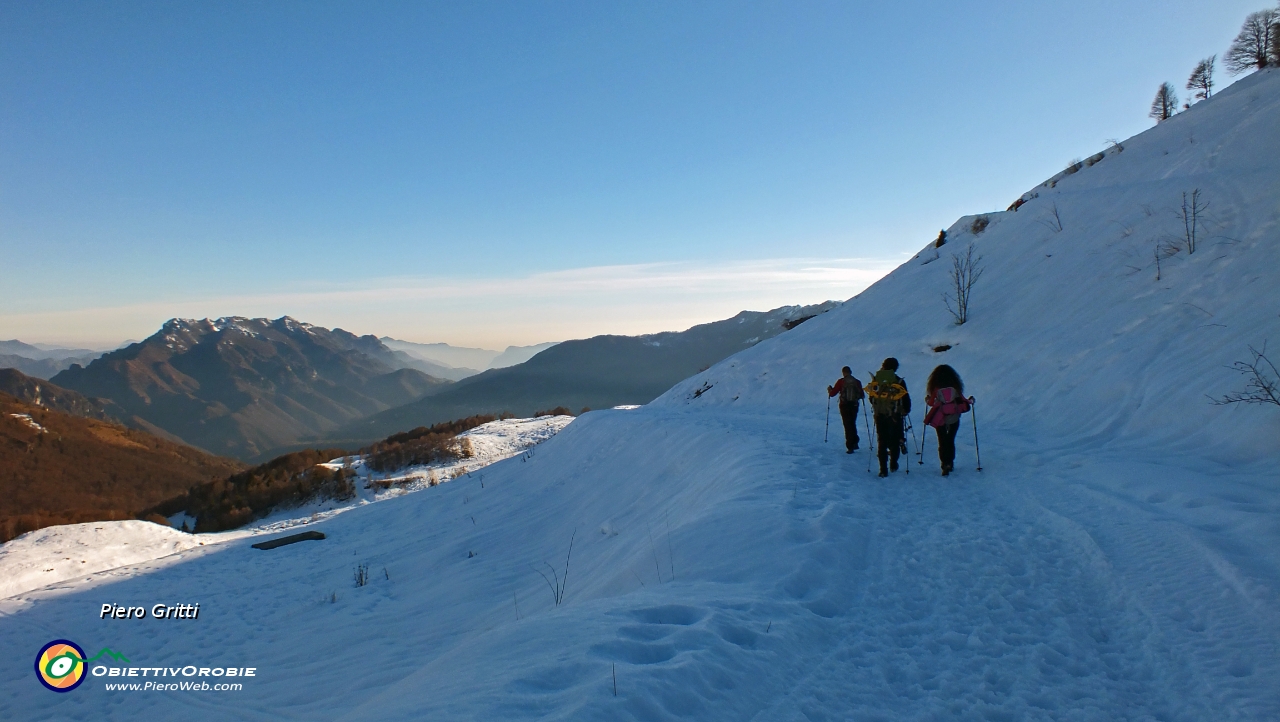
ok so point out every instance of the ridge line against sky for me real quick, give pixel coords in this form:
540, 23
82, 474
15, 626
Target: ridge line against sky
586, 301
157, 156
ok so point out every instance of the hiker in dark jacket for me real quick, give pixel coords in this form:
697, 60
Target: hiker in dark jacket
944, 395
849, 389
891, 403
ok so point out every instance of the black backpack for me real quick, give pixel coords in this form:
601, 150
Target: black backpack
851, 393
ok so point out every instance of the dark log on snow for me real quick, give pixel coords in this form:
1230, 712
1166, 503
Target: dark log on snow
291, 539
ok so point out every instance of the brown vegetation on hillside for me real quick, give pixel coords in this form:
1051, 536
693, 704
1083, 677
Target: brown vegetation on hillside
285, 481
61, 469
422, 445
299, 477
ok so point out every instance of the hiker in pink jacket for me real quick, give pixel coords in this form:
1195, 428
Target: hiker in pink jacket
944, 395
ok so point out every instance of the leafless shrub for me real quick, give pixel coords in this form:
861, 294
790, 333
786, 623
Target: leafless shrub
1262, 381
979, 225
965, 272
1164, 250
1192, 209
362, 575
558, 587
1054, 221
1074, 166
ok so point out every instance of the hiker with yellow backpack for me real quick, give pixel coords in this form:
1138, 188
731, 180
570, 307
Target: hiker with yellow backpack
890, 403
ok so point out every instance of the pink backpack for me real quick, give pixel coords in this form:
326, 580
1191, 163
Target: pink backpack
948, 405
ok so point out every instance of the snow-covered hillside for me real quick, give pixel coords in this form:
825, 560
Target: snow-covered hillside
1116, 559
62, 555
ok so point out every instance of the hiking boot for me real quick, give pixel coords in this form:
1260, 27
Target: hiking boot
882, 474
893, 466
904, 447
850, 451
946, 471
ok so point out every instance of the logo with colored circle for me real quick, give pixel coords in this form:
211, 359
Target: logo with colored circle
60, 665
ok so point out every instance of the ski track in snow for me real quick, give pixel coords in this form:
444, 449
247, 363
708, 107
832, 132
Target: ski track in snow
1117, 559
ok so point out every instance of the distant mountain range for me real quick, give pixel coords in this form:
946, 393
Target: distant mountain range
240, 387
466, 361
598, 372
45, 394
42, 363
255, 388
56, 468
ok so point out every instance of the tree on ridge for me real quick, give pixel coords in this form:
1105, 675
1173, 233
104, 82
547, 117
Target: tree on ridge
1201, 80
1255, 46
1165, 104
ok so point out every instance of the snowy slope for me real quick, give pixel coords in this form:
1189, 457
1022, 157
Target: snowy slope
1116, 559
58, 553
1070, 333
54, 555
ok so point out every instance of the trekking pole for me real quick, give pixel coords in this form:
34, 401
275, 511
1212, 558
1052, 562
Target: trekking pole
915, 443
924, 436
828, 429
871, 450
977, 450
906, 465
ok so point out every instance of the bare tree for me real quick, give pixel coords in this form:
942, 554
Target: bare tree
1192, 209
1165, 104
1275, 40
1262, 381
1201, 80
1255, 46
965, 272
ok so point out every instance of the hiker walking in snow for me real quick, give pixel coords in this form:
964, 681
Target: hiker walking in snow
849, 389
891, 403
944, 395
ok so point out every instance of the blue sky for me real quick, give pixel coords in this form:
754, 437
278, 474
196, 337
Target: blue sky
513, 172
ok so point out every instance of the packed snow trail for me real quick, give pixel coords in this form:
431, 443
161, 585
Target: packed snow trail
804, 588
